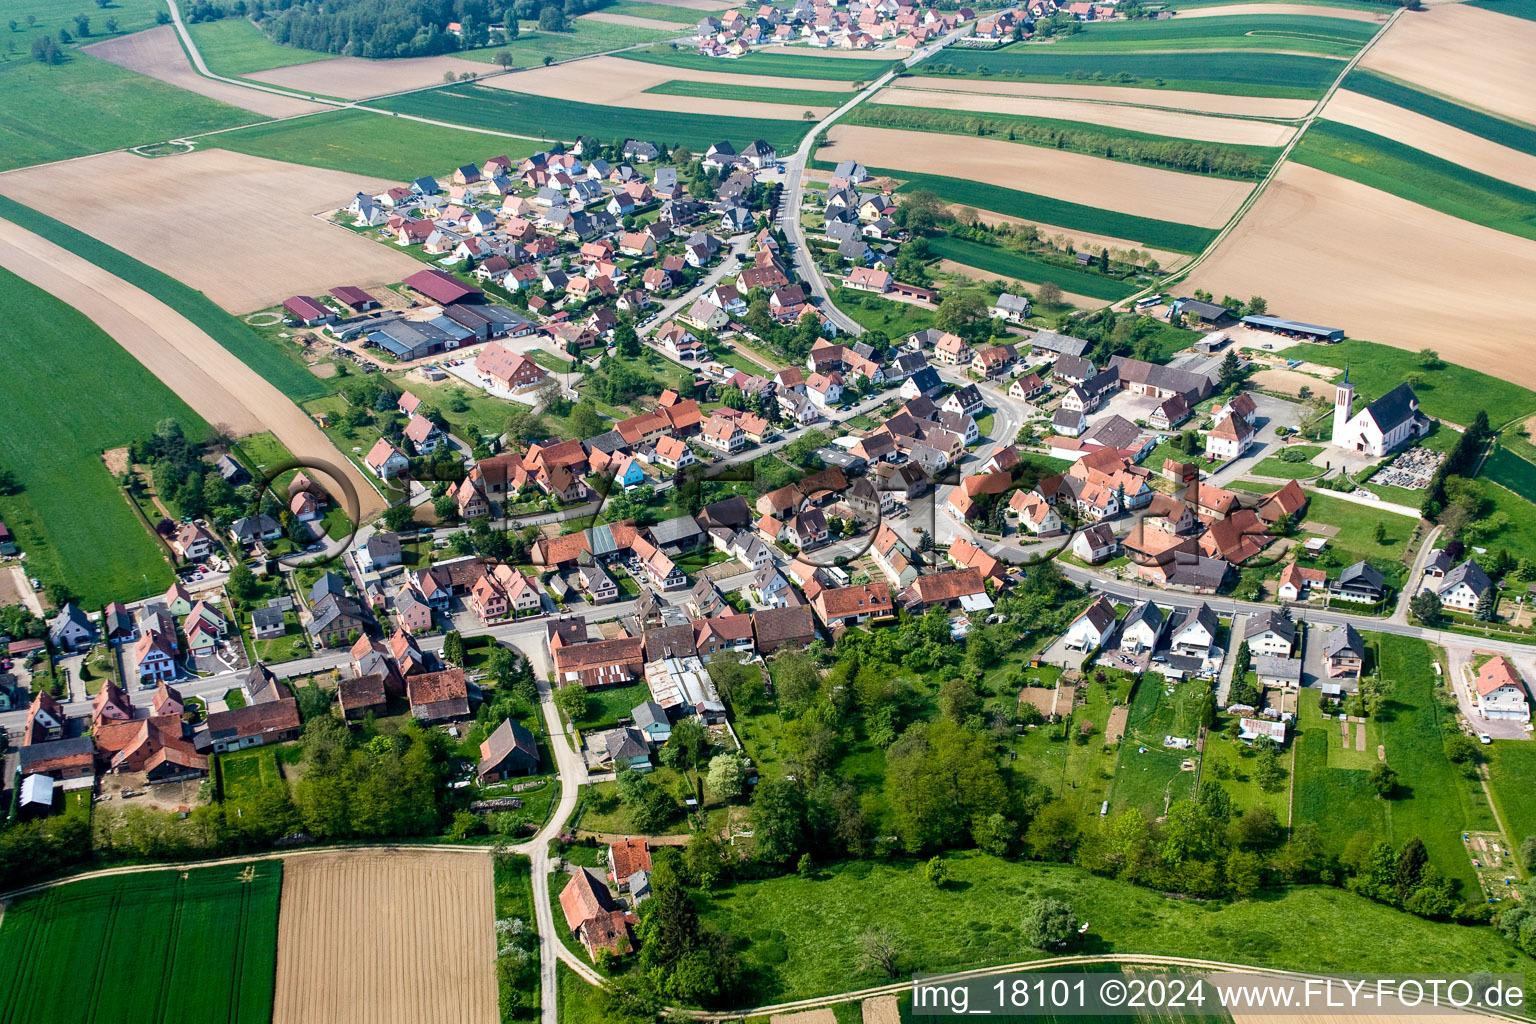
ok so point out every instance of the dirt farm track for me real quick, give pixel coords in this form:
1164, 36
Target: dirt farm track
366, 937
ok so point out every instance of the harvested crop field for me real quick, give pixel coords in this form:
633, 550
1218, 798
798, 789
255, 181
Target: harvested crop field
614, 82
398, 936
1285, 382
1434, 137
1329, 250
1227, 10
1475, 56
355, 78
156, 52
1170, 123
1126, 188
632, 21
246, 248
207, 376
1171, 99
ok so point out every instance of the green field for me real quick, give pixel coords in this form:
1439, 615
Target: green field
1017, 265
1509, 470
1494, 129
131, 15
70, 517
285, 373
1245, 74
1518, 536
747, 93
1334, 37
1511, 766
1280, 469
585, 37
483, 107
1188, 156
1514, 8
872, 312
234, 47
247, 772
803, 931
358, 142
86, 105
1149, 775
1418, 177
1159, 234
198, 945
783, 65
1451, 392
657, 12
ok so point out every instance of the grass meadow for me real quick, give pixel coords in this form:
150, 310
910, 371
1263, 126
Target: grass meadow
684, 16
1149, 775
801, 933
747, 93
1453, 393
70, 517
1511, 766
359, 142
876, 314
199, 944
781, 65
1158, 234
1017, 265
245, 773
85, 105
484, 107
1237, 73
1512, 472
1514, 8
1418, 177
285, 373
585, 37
1494, 129
234, 47
1332, 37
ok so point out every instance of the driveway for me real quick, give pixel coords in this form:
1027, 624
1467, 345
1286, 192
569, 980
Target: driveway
1461, 658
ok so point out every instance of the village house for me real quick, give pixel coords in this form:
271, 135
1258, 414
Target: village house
1501, 692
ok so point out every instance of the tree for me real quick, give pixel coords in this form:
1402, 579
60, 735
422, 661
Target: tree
242, 582
503, 59
627, 341
453, 648
112, 27
1267, 771
551, 18
585, 420
727, 776
779, 821
1049, 923
1380, 533
45, 50
82, 24
1048, 295
1231, 370
1426, 607
1486, 606
1528, 853
1257, 306
1383, 779
571, 699
398, 517
936, 872
690, 740
1411, 862
1429, 358
878, 953
995, 833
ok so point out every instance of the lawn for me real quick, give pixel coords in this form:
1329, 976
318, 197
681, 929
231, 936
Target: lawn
1511, 766
1451, 392
996, 260
262, 453
518, 984
685, 16
577, 998
1239, 783
1356, 539
1281, 469
203, 938
247, 772
131, 15
606, 706
1160, 234
86, 105
895, 319
1510, 471
1518, 534
1418, 177
801, 933
363, 143
1079, 772
234, 47
1246, 74
585, 37
482, 414
267, 359
1495, 129
70, 517
1148, 774
748, 93
525, 114
779, 65
1334, 37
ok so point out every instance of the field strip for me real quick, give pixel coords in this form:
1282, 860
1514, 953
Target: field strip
634, 22
1338, 252
356, 78
208, 377
1434, 137
977, 274
1150, 121
1091, 181
1166, 258
1469, 55
1319, 10
1172, 99
156, 52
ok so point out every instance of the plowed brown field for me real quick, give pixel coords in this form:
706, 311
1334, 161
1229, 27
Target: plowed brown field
398, 936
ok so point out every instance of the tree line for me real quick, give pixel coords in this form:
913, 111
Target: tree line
409, 28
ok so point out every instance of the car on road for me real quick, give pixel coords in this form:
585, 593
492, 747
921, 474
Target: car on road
1484, 738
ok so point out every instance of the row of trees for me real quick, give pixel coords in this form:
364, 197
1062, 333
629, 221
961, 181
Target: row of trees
409, 28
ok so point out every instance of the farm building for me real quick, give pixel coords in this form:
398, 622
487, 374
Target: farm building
1294, 329
442, 288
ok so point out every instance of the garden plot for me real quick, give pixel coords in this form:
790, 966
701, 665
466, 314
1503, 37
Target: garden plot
1091, 181
1311, 231
403, 935
1168, 123
354, 78
157, 52
1170, 99
1434, 137
246, 248
614, 82
1478, 57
